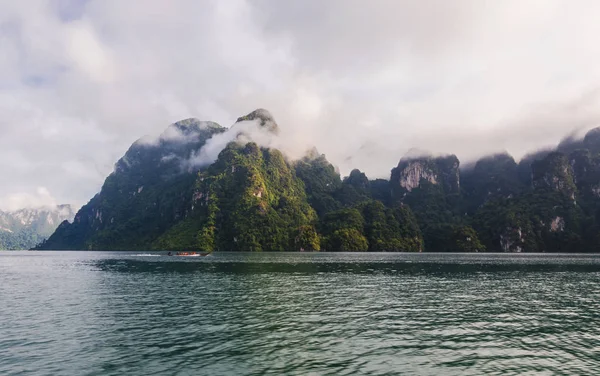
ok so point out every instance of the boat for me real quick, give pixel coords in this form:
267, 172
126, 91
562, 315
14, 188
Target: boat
190, 254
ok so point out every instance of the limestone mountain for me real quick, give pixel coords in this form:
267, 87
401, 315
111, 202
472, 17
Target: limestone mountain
491, 177
431, 187
24, 228
555, 172
149, 190
250, 198
548, 202
264, 119
412, 172
549, 212
161, 196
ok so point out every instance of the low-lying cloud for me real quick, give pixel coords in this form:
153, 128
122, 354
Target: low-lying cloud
38, 199
243, 132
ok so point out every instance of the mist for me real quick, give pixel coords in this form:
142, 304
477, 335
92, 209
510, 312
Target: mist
39, 198
80, 81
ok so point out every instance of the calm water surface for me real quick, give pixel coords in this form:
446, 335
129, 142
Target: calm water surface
96, 313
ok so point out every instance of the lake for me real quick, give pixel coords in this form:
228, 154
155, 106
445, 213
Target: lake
136, 313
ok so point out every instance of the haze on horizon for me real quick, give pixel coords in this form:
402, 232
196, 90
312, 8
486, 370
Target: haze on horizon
81, 80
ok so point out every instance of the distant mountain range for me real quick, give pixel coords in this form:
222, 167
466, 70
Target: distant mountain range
254, 199
25, 228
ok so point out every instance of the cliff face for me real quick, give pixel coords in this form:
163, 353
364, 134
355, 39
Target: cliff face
554, 172
586, 172
431, 188
546, 203
552, 211
490, 178
411, 173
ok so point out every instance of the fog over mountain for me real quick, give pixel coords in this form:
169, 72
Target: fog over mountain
25, 228
80, 80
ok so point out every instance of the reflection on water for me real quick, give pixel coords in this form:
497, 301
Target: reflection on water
125, 313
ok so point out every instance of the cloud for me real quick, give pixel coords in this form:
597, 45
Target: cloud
210, 151
241, 132
16, 201
88, 54
82, 80
171, 134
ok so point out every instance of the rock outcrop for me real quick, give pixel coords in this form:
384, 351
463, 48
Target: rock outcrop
411, 173
554, 172
264, 118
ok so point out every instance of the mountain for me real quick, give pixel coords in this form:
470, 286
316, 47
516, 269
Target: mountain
250, 198
149, 190
491, 177
167, 194
431, 187
24, 228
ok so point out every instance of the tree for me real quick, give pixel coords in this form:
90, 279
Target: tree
348, 240
465, 239
307, 239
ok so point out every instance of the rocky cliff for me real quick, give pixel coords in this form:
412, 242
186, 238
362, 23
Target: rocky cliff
554, 172
411, 173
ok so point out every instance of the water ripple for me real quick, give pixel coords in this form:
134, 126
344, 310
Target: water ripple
80, 313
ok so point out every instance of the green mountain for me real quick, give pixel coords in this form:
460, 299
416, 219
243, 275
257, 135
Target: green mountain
24, 228
173, 194
148, 192
249, 199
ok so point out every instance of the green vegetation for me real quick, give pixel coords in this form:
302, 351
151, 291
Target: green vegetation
253, 199
250, 199
465, 239
347, 240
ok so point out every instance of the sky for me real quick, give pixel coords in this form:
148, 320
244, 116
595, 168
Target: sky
363, 81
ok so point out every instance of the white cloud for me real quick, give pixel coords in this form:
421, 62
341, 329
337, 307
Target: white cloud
88, 53
364, 84
243, 132
16, 201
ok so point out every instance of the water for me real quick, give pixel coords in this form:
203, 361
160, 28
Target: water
96, 313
